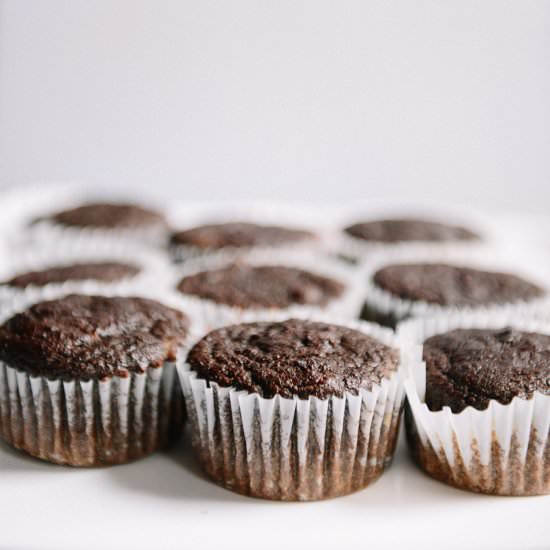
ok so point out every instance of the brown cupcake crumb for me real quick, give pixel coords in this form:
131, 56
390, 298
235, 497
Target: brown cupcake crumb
450, 285
469, 367
293, 358
245, 286
109, 216
238, 235
92, 337
403, 230
107, 272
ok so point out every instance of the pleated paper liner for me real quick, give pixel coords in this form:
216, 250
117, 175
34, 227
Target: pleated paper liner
502, 450
94, 422
387, 309
295, 449
97, 422
346, 306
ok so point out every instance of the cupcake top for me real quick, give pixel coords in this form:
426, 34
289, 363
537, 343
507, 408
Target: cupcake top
403, 230
472, 366
450, 285
108, 216
239, 235
92, 337
293, 358
247, 287
107, 272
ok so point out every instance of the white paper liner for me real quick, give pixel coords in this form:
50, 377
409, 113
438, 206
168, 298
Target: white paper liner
351, 247
155, 269
503, 449
295, 449
391, 309
95, 422
89, 423
187, 216
347, 306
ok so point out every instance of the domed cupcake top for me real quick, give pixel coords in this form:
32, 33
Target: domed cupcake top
472, 366
239, 235
450, 285
261, 286
82, 337
107, 272
402, 230
293, 358
109, 216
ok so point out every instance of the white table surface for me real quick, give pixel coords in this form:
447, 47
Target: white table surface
165, 502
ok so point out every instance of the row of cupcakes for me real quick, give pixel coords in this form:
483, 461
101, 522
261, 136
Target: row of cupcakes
388, 287
295, 408
195, 230
393, 291
487, 287
283, 408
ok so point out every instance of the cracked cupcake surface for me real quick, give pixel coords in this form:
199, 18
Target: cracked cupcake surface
451, 285
469, 367
246, 286
92, 337
293, 358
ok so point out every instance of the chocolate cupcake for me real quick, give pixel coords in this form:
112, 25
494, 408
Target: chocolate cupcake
103, 215
409, 230
90, 380
86, 265
420, 286
294, 409
114, 220
479, 402
105, 272
234, 238
226, 291
360, 239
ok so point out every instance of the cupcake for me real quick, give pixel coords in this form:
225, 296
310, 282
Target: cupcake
105, 272
235, 238
112, 220
85, 265
294, 409
478, 413
409, 230
412, 285
361, 238
225, 290
90, 380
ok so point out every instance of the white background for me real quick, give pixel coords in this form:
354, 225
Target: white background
310, 100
